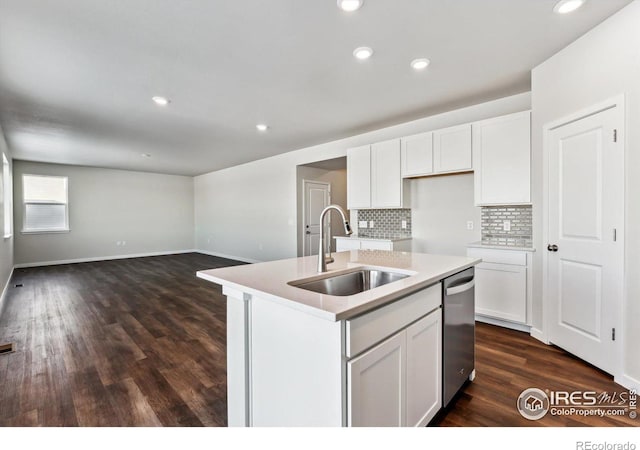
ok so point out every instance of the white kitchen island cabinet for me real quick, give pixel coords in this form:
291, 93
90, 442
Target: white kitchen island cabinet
300, 358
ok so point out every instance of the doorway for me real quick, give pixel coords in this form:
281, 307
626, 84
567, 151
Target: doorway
332, 172
584, 258
317, 196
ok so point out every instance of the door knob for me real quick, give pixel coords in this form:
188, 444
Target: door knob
552, 248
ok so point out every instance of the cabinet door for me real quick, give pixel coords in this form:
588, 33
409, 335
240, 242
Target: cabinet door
452, 149
417, 155
386, 180
424, 369
501, 291
376, 385
359, 177
502, 160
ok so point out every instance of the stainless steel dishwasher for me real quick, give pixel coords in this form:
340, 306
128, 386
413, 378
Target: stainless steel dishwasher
458, 332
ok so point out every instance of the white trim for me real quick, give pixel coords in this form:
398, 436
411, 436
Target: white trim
4, 291
503, 323
627, 382
539, 335
223, 255
614, 102
102, 258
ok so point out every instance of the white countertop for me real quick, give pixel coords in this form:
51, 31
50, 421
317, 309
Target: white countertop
367, 238
480, 244
269, 280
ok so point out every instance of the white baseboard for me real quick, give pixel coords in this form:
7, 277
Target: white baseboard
4, 291
503, 323
222, 255
539, 335
628, 382
102, 258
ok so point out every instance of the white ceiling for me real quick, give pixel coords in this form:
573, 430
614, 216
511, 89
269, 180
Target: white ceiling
77, 76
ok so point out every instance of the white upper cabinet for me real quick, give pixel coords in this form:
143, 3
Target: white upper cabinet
373, 176
386, 180
452, 149
502, 160
417, 155
359, 177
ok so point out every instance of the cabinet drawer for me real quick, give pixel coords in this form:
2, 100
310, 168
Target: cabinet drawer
343, 245
499, 256
376, 245
366, 330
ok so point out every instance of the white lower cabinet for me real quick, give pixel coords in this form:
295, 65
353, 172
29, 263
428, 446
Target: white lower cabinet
503, 285
377, 387
424, 369
398, 382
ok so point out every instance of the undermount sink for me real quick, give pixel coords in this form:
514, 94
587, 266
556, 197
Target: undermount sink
350, 283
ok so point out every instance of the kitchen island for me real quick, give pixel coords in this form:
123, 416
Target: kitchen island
297, 357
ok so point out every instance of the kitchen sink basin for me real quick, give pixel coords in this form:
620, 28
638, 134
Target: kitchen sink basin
350, 283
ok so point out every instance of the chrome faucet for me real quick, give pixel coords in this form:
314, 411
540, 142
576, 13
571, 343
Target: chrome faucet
322, 257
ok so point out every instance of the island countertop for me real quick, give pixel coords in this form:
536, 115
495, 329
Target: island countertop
269, 280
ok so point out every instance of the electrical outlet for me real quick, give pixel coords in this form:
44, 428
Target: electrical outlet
404, 225
124, 243
371, 224
506, 225
470, 225
260, 246
362, 224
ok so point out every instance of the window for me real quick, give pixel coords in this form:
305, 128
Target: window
7, 193
45, 204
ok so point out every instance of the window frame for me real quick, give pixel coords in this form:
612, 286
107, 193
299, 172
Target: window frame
25, 203
7, 193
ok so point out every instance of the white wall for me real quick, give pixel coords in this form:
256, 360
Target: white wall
440, 209
600, 65
249, 211
6, 245
151, 212
338, 181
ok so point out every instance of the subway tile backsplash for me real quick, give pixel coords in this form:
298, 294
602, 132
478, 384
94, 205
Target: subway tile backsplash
520, 218
387, 223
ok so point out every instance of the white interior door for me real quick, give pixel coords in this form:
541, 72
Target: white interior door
316, 198
586, 216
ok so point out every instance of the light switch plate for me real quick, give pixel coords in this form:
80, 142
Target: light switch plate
506, 225
470, 225
371, 224
362, 224
404, 225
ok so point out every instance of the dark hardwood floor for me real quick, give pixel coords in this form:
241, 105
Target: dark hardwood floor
141, 342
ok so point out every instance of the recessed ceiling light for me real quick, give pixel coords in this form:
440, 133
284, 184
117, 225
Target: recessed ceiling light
262, 127
145, 155
420, 63
160, 101
350, 5
567, 6
363, 53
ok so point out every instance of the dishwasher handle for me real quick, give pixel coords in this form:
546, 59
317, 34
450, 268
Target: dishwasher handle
460, 288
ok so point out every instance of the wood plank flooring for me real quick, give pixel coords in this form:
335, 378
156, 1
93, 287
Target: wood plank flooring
136, 342
141, 342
